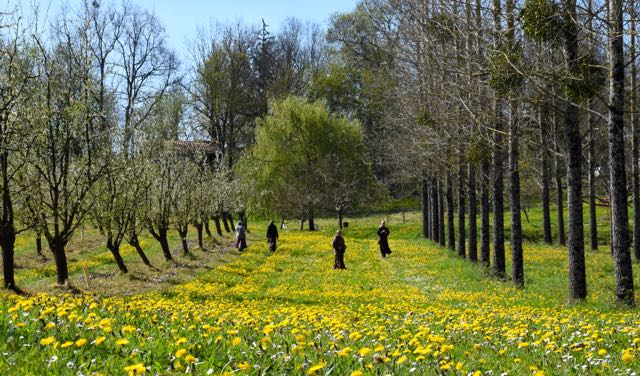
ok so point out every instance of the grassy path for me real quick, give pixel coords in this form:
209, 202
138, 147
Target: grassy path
420, 311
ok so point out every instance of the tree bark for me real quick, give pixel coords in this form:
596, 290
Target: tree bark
461, 210
216, 221
473, 228
114, 247
485, 238
517, 262
559, 195
441, 234
161, 237
435, 212
451, 237
635, 137
223, 216
231, 224
546, 177
573, 139
135, 243
425, 208
618, 177
39, 245
312, 223
499, 268
593, 222
183, 231
207, 229
57, 246
340, 217
199, 228
7, 243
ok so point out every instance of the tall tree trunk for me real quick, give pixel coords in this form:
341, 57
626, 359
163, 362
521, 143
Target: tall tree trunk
618, 179
635, 137
485, 238
593, 221
231, 224
546, 176
182, 231
435, 223
559, 195
425, 208
302, 224
223, 216
135, 243
451, 237
114, 247
461, 210
7, 243
199, 227
39, 245
441, 232
216, 221
161, 237
207, 229
340, 210
473, 228
517, 262
312, 222
499, 267
57, 246
577, 273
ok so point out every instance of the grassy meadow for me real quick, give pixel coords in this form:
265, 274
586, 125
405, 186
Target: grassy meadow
421, 311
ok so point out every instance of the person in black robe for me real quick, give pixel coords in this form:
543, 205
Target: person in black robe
383, 239
339, 248
272, 236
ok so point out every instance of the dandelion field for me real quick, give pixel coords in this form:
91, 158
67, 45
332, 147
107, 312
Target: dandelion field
422, 311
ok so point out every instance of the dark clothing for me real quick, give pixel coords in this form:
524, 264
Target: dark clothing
272, 236
241, 237
339, 248
383, 241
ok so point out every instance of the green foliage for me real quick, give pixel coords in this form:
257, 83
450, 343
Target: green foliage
305, 159
589, 78
425, 118
541, 20
503, 71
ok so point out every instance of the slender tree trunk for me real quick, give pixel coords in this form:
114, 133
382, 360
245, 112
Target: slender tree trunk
517, 262
161, 237
7, 243
635, 137
620, 223
182, 231
57, 247
499, 268
451, 237
231, 224
577, 273
207, 229
302, 224
425, 208
461, 210
39, 245
473, 228
546, 177
593, 224
114, 247
312, 223
340, 217
216, 221
441, 232
559, 195
485, 238
223, 216
199, 228
135, 243
435, 223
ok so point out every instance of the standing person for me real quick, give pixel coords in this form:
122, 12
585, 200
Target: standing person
272, 235
383, 239
339, 247
241, 237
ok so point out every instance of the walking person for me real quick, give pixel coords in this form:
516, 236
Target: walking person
383, 239
272, 236
339, 248
241, 237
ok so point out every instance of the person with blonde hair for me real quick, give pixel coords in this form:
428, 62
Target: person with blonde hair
383, 239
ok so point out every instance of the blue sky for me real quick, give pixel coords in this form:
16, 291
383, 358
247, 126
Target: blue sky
180, 17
